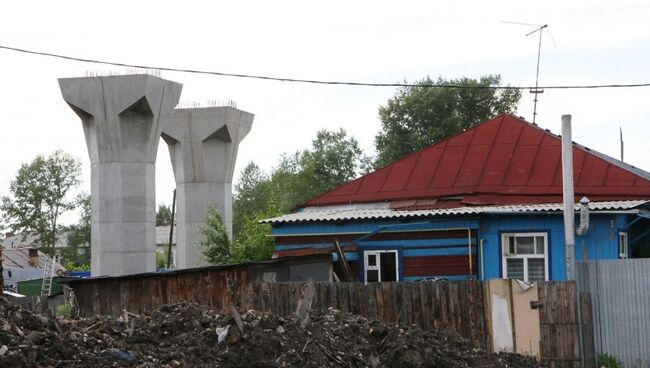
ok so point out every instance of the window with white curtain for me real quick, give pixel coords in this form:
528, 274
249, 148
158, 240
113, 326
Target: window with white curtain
525, 256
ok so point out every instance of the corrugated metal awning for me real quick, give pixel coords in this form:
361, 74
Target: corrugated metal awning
339, 213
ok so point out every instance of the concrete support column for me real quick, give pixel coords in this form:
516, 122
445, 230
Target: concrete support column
121, 117
203, 145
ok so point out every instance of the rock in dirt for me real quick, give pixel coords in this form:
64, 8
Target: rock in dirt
185, 335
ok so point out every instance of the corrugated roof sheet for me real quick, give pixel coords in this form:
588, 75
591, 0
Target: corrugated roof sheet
342, 214
505, 160
19, 258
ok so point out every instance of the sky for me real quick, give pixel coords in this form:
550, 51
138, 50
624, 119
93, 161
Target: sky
590, 42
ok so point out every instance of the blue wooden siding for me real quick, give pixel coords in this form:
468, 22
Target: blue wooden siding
600, 242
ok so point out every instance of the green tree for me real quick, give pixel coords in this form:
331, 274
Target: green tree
79, 236
163, 215
334, 158
254, 242
251, 195
215, 245
420, 116
38, 196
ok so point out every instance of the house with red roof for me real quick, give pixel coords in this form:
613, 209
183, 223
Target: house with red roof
484, 204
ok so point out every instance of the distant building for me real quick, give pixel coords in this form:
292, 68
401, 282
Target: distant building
29, 240
484, 204
21, 264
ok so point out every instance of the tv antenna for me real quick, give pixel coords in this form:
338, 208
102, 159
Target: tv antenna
539, 28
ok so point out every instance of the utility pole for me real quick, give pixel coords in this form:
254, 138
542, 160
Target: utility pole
568, 196
621, 135
171, 233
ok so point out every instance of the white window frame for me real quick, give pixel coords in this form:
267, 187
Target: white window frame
377, 267
623, 245
505, 253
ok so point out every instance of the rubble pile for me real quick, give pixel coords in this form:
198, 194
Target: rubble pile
190, 335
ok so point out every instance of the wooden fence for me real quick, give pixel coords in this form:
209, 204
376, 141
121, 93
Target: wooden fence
559, 325
457, 306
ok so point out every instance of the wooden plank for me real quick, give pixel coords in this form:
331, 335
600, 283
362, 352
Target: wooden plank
379, 297
424, 295
587, 329
386, 302
343, 298
362, 294
464, 309
371, 294
437, 265
454, 307
400, 310
347, 271
416, 305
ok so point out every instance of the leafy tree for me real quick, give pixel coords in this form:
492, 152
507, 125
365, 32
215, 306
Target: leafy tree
38, 196
333, 159
163, 215
420, 116
79, 235
252, 193
215, 245
254, 242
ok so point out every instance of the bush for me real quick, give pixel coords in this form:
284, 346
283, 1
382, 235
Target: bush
65, 310
608, 361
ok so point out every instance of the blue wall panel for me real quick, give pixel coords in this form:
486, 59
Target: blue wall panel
600, 242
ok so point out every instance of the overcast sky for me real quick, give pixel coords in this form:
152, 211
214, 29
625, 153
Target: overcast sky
597, 42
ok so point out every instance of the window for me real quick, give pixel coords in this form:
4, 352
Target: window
380, 265
525, 256
622, 245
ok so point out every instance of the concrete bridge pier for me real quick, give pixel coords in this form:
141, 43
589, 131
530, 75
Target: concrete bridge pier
203, 145
121, 118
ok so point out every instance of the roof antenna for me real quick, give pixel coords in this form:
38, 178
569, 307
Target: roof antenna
540, 28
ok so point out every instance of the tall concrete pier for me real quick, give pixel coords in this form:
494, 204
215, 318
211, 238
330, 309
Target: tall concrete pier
121, 117
203, 145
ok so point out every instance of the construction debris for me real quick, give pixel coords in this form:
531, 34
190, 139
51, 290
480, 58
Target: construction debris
185, 335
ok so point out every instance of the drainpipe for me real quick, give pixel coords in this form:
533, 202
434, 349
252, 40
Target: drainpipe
469, 245
568, 196
584, 217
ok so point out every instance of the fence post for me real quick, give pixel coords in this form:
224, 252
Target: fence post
588, 351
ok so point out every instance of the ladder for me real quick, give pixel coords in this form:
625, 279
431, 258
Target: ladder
48, 274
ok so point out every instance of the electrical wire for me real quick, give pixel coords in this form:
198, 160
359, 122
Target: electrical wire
313, 81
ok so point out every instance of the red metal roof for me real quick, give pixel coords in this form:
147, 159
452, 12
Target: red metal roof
505, 160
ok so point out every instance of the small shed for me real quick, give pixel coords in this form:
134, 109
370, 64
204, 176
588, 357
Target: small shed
213, 285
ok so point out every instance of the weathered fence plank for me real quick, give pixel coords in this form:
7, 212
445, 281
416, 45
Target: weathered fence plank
559, 324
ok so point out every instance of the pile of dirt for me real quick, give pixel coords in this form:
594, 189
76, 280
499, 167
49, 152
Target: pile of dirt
190, 335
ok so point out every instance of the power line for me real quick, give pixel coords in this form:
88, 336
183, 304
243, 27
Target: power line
313, 81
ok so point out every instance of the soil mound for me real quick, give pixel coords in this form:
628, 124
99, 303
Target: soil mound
191, 335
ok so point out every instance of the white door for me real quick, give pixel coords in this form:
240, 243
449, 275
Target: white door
380, 265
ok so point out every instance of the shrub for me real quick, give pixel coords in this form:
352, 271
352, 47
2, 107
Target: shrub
608, 361
65, 310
